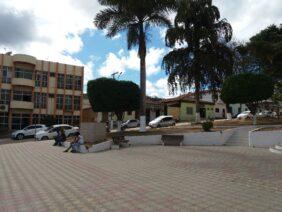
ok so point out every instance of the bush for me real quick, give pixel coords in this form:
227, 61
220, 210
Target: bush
207, 126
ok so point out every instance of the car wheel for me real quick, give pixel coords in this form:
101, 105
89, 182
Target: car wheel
44, 138
20, 137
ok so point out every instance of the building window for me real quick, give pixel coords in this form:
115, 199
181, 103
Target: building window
4, 120
68, 120
60, 101
189, 111
59, 119
25, 96
61, 81
37, 79
69, 82
68, 103
19, 121
75, 121
38, 119
77, 83
52, 74
7, 75
77, 103
35, 119
40, 100
44, 79
23, 73
217, 110
41, 79
5, 97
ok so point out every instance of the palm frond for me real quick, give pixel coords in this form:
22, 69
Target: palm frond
132, 36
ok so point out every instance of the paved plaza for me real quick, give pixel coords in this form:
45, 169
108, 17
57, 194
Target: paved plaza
39, 177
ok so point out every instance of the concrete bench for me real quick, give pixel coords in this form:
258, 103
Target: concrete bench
172, 140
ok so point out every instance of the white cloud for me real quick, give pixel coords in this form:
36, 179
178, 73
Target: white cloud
160, 89
121, 62
248, 17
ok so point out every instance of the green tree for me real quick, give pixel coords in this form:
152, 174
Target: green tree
110, 95
136, 18
247, 88
263, 54
204, 59
267, 47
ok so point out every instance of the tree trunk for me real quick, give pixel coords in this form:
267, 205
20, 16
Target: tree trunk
229, 115
253, 108
142, 55
119, 120
197, 101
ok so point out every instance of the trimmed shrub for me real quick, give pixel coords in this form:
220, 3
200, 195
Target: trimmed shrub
207, 126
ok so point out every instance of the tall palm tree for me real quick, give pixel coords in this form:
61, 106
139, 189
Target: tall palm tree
135, 17
203, 59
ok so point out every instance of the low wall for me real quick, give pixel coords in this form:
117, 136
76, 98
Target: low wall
93, 132
265, 139
144, 140
190, 139
207, 138
101, 147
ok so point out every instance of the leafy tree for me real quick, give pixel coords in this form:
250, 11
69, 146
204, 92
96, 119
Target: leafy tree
136, 18
110, 95
204, 59
247, 88
244, 60
267, 47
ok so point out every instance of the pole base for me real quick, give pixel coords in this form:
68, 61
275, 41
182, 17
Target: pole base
142, 124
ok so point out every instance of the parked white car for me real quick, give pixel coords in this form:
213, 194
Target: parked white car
131, 123
162, 121
28, 132
51, 132
245, 114
266, 113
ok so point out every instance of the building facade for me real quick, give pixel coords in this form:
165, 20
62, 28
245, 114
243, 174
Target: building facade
34, 90
183, 108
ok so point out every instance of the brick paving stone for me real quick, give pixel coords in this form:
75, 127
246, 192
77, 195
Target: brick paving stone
36, 176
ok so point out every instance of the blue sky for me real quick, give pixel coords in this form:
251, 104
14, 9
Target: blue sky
66, 33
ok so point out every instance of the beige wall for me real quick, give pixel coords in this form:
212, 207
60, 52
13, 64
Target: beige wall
93, 132
174, 111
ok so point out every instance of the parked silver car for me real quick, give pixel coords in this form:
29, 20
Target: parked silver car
52, 132
131, 123
28, 131
162, 121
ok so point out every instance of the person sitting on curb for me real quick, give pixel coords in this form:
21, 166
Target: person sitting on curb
60, 138
78, 140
